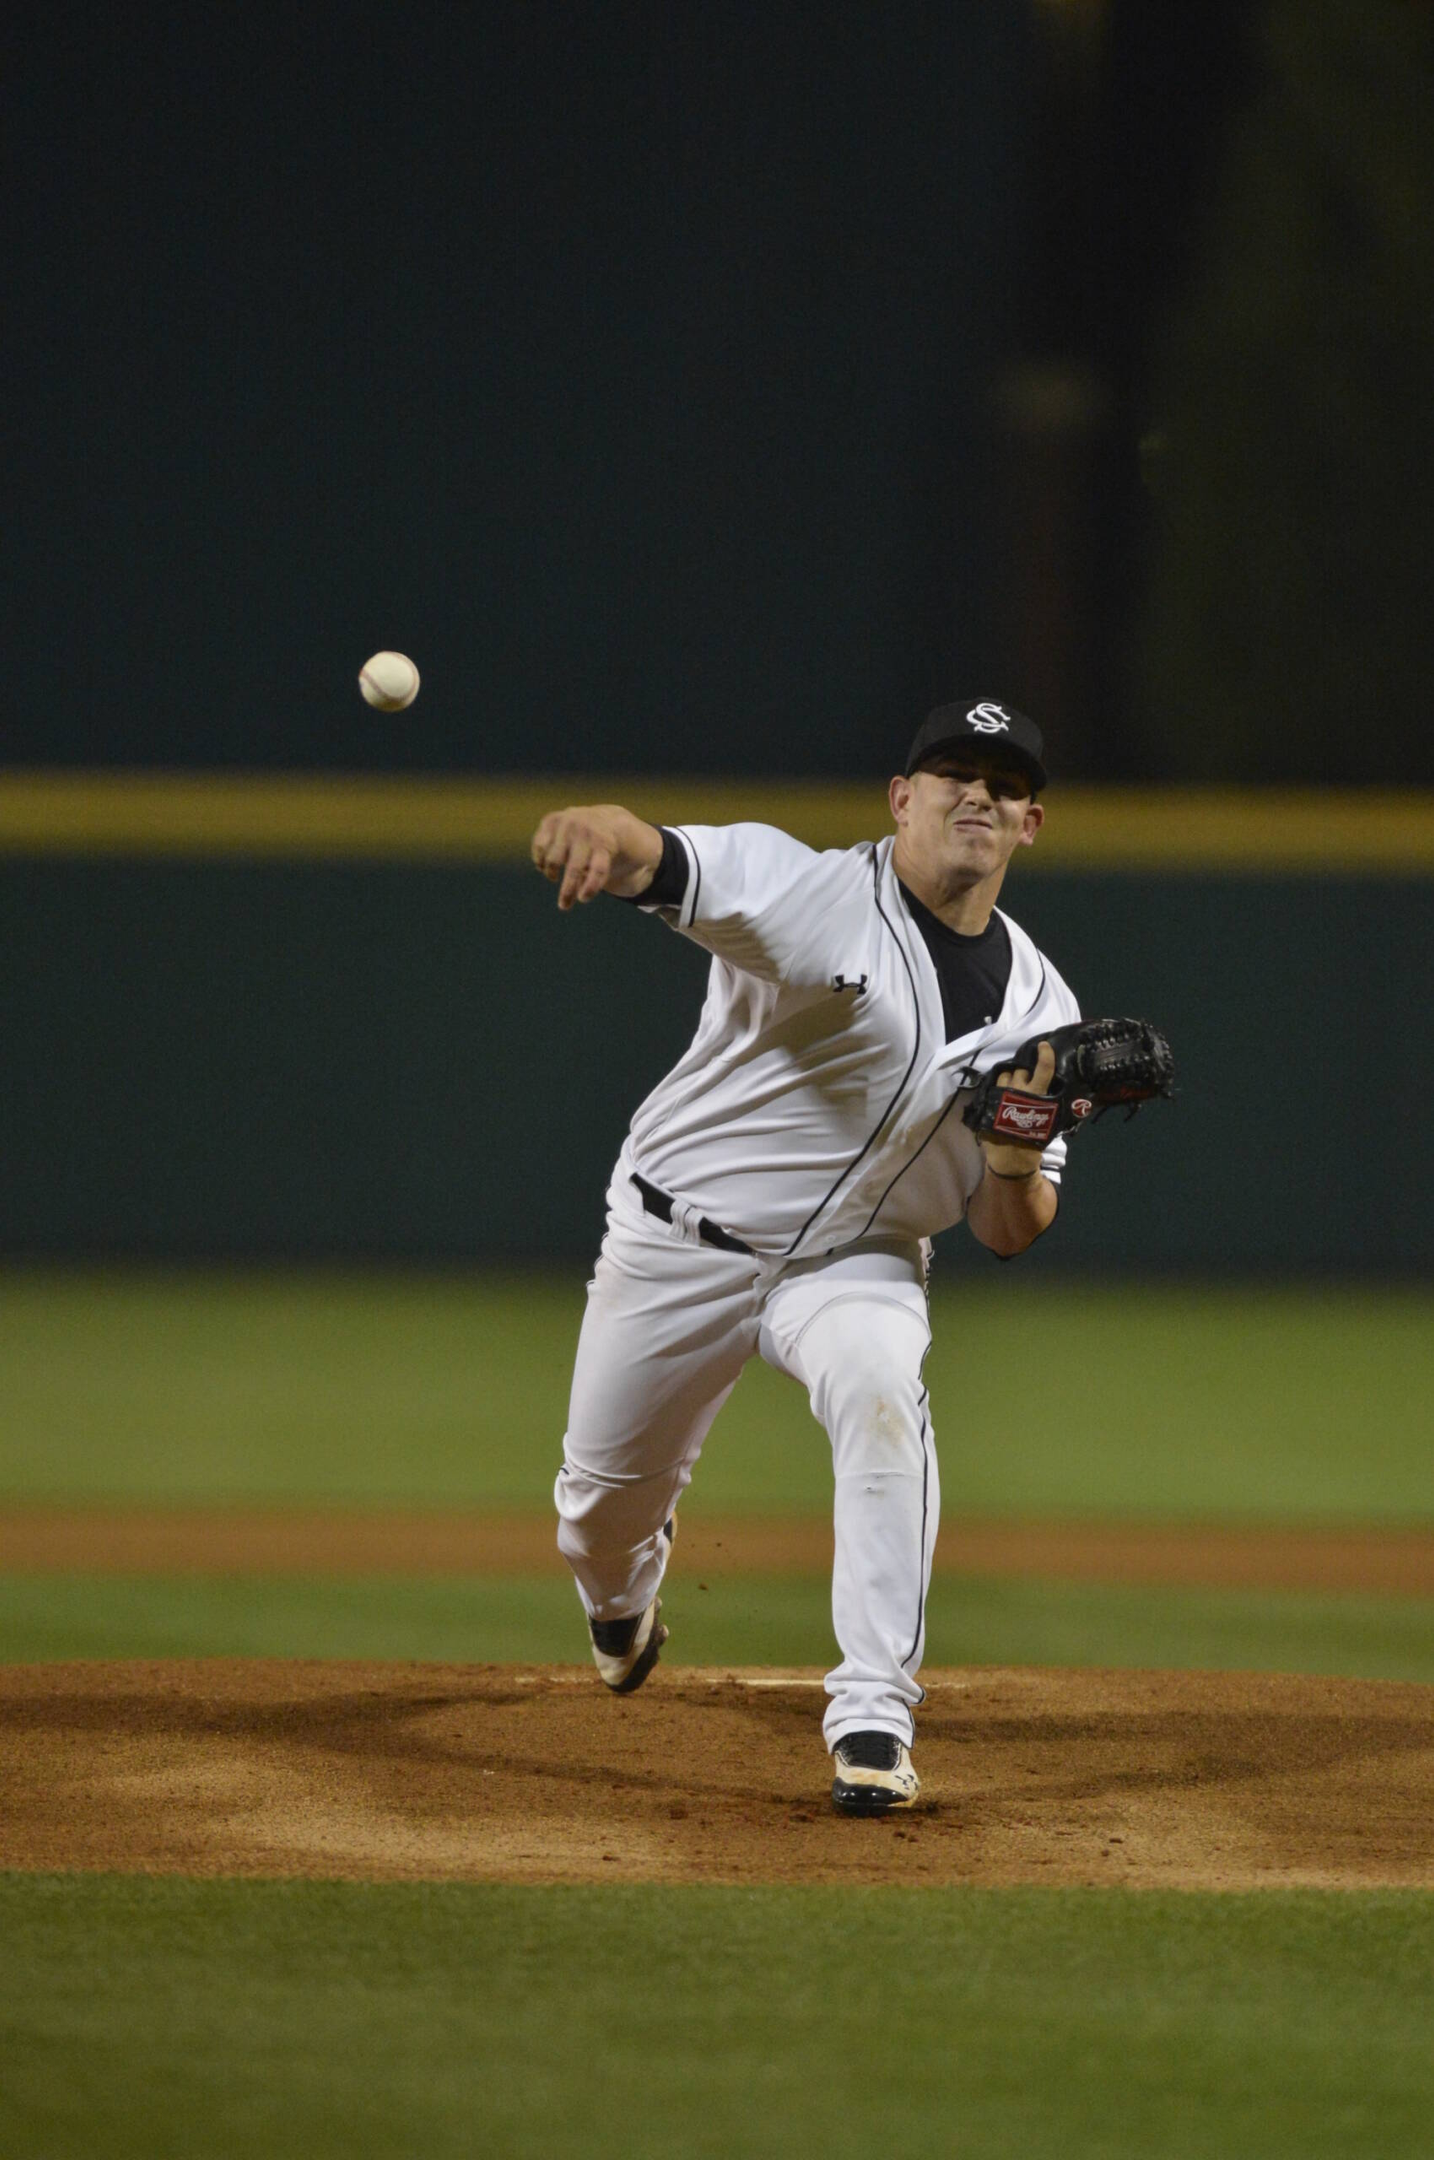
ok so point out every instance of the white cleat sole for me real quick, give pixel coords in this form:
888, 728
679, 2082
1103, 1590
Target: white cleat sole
857, 1790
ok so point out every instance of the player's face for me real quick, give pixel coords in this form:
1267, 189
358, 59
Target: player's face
962, 817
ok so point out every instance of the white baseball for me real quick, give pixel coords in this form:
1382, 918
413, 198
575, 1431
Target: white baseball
389, 680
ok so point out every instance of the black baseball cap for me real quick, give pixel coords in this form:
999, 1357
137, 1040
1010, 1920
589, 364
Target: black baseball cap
981, 724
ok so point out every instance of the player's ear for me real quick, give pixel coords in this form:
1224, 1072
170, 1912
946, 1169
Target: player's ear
899, 795
1035, 818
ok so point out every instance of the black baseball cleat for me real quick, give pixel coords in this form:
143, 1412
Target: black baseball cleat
625, 1651
874, 1774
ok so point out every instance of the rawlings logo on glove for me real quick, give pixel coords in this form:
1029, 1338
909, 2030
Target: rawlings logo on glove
1019, 1116
1099, 1065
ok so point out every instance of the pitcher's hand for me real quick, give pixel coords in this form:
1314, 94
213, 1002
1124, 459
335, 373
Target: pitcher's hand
597, 848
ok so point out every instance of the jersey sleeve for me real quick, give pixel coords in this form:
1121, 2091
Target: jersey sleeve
748, 897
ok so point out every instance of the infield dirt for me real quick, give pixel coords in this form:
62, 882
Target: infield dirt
534, 1774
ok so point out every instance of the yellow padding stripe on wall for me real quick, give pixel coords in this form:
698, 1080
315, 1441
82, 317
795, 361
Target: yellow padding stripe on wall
378, 818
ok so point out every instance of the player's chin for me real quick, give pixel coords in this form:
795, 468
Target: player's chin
972, 849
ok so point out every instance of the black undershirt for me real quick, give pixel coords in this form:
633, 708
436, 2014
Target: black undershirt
973, 971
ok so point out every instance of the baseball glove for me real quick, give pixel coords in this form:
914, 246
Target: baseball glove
1100, 1065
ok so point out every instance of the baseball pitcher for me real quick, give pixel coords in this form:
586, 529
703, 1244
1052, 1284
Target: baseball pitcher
882, 1052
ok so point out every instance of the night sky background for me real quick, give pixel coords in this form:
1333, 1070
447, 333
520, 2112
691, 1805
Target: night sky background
712, 390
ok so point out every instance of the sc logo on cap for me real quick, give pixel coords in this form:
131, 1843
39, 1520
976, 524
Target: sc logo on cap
988, 719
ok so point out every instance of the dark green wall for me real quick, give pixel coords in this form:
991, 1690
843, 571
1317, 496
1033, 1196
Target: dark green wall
630, 366
235, 1060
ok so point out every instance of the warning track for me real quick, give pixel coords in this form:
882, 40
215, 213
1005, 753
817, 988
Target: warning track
276, 1541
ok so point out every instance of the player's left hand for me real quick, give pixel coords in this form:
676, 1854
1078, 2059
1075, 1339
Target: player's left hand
1038, 1081
1015, 1158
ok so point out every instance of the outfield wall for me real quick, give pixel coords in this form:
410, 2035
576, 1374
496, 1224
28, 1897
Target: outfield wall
215, 1051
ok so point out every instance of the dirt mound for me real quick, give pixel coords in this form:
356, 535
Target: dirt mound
533, 1774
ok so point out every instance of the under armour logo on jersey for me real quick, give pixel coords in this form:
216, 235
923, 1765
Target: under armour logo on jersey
988, 719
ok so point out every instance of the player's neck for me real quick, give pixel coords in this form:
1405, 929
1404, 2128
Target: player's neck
963, 908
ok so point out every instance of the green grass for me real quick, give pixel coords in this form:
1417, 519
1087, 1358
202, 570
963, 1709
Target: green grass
157, 2018
388, 1388
144, 2019
740, 1620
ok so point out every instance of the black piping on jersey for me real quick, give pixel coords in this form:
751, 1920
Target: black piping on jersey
686, 839
695, 863
1040, 987
923, 1398
964, 1081
886, 1115
881, 1203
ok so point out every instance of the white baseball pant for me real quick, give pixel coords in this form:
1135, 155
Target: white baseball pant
670, 1323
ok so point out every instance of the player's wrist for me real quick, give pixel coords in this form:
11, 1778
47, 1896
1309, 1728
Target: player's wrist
641, 846
1012, 1165
627, 881
638, 858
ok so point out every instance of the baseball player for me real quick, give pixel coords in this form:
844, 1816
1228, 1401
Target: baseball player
777, 1191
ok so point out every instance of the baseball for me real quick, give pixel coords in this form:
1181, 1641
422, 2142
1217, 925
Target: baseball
389, 680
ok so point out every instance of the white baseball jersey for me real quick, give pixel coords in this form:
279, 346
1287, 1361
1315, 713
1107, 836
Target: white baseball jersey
820, 1102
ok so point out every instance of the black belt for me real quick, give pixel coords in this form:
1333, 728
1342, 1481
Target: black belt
659, 1203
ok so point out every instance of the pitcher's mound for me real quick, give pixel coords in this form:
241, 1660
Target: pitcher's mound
535, 1774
